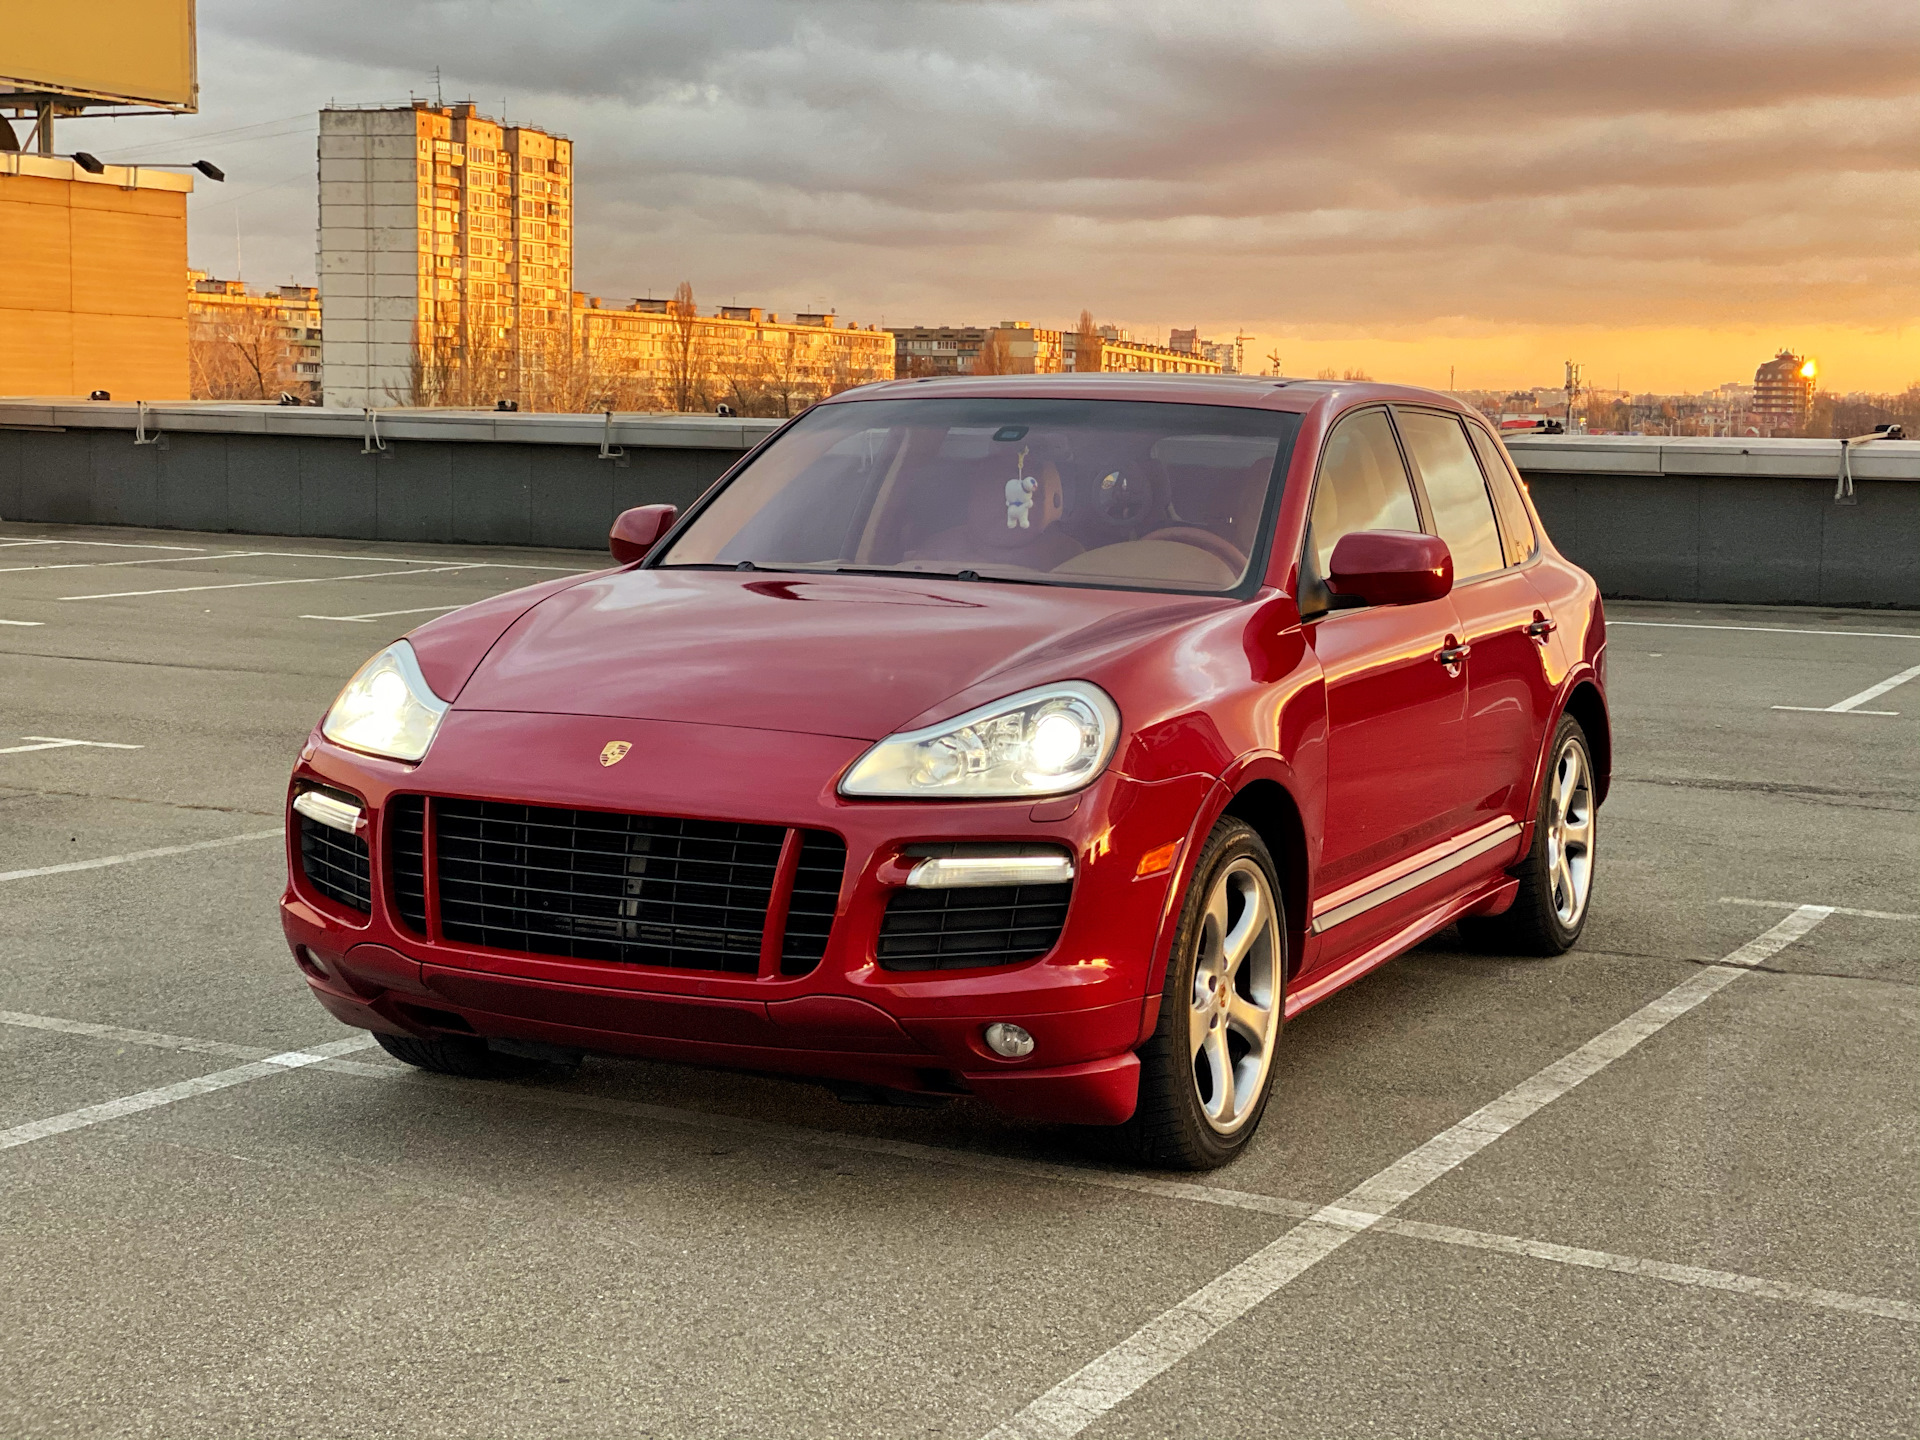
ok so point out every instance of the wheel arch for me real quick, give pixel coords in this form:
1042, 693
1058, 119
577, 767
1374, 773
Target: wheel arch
1585, 704
1269, 807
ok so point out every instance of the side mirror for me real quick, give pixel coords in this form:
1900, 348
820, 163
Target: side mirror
1390, 567
638, 530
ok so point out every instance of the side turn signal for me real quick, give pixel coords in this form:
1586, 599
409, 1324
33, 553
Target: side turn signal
1157, 860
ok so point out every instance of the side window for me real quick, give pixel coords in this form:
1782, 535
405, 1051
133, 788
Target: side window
1462, 512
1516, 525
1363, 486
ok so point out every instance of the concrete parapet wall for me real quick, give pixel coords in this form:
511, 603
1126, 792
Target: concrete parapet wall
1743, 521
1749, 521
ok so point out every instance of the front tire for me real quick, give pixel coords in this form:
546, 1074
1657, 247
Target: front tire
1556, 878
1206, 1074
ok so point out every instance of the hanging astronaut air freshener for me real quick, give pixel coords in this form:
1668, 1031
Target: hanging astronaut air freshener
1020, 495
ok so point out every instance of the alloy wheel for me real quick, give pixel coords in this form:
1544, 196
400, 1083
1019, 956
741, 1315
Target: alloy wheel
1233, 1014
1570, 827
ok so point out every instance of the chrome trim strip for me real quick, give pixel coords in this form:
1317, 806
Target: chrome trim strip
1414, 879
325, 810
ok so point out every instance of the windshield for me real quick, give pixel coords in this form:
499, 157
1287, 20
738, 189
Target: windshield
1073, 492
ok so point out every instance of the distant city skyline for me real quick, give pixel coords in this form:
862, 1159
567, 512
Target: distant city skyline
1667, 196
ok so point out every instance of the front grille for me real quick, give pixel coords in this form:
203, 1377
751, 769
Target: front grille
816, 895
633, 889
970, 926
336, 864
407, 855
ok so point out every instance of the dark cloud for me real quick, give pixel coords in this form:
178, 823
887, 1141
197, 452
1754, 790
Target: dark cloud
1297, 163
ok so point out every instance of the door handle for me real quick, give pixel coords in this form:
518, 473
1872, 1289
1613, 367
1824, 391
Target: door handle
1452, 654
1540, 629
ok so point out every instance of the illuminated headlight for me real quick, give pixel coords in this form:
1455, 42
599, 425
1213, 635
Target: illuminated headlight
387, 708
1040, 742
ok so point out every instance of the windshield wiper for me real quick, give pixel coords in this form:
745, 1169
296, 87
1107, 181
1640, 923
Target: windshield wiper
934, 574
904, 570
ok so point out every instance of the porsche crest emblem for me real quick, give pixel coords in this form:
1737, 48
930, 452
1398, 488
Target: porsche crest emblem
615, 751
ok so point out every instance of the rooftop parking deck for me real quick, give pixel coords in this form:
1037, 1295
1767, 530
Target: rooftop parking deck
226, 1215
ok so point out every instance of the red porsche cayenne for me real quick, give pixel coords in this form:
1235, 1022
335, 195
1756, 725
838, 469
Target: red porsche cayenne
1050, 740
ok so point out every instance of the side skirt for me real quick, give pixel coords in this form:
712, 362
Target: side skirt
1402, 940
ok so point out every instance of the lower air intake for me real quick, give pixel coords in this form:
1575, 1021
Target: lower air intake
336, 864
969, 927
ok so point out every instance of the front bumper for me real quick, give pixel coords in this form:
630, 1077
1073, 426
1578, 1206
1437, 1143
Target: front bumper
849, 1018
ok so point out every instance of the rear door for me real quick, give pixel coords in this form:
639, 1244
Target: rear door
1509, 693
1395, 715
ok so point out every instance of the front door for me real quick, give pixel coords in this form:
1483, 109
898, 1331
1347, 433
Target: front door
1396, 715
1509, 693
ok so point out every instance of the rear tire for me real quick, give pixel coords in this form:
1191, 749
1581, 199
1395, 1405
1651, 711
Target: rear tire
1206, 1074
456, 1055
1556, 878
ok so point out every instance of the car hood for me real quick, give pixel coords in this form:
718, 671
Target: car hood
853, 656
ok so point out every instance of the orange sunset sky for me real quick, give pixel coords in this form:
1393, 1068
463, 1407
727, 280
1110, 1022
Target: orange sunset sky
1665, 192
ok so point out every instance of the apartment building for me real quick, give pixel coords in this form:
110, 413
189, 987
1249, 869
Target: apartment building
1013, 347
1783, 393
1113, 350
1019, 347
654, 354
247, 345
446, 256
1231, 354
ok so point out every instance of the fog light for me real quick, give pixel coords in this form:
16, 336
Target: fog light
1008, 1040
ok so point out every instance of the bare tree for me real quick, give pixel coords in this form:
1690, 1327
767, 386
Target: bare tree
686, 353
994, 356
1086, 344
788, 384
239, 354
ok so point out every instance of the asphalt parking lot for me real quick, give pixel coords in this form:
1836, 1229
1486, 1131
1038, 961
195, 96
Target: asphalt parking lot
1661, 1186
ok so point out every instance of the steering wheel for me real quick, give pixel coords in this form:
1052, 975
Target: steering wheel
1203, 540
1122, 500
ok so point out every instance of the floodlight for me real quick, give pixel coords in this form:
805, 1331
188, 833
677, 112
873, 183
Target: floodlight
210, 170
88, 163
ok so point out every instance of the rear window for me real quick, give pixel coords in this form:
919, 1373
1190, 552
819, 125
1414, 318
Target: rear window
1060, 492
1516, 525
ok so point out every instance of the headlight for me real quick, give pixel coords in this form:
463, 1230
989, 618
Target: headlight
387, 708
1039, 742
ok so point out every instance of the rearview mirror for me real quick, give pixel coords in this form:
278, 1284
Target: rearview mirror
1390, 567
638, 530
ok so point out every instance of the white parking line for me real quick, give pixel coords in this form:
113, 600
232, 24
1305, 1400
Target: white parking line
99, 544
22, 622
1835, 909
1851, 705
50, 742
1764, 629
385, 614
132, 855
256, 584
149, 1038
114, 564
1693, 1275
1150, 1185
1110, 1379
183, 1090
277, 555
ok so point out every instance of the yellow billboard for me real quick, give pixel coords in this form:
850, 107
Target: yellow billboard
123, 52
